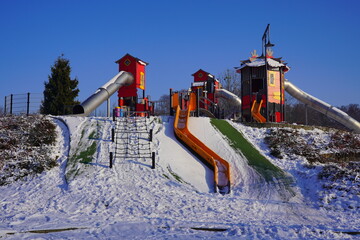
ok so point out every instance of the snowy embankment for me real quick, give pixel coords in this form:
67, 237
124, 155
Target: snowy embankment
132, 201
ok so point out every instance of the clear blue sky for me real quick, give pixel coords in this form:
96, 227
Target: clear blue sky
320, 40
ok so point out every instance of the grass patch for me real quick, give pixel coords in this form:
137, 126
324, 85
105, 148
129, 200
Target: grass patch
255, 159
93, 135
83, 153
88, 154
177, 177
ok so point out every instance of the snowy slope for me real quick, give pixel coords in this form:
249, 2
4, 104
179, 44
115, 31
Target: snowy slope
173, 201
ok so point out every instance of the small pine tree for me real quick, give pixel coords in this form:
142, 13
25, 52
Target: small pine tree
60, 91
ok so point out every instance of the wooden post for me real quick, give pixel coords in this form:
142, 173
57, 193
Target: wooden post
153, 160
111, 158
151, 135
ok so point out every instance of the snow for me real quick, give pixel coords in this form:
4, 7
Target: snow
173, 201
261, 62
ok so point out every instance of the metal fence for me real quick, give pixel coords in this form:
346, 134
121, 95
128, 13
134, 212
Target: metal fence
24, 103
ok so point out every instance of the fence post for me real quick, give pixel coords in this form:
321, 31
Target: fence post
111, 158
306, 114
5, 106
153, 160
28, 104
171, 103
11, 103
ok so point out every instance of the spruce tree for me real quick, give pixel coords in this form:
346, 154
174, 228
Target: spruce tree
60, 90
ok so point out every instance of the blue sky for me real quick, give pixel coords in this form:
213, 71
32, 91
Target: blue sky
320, 40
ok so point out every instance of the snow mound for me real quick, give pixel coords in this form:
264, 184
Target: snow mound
172, 201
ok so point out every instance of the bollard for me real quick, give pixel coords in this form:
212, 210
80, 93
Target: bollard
153, 160
111, 158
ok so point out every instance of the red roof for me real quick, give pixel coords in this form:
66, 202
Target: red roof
137, 59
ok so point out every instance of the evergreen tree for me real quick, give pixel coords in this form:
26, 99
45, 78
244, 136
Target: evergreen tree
60, 91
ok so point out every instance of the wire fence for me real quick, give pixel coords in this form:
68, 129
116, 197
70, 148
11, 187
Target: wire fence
24, 103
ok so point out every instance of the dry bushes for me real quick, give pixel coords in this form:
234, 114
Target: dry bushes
25, 146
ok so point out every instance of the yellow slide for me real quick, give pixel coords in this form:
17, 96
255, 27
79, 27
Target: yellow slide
220, 166
255, 112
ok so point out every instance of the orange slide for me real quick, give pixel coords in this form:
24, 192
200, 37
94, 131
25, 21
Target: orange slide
255, 112
220, 166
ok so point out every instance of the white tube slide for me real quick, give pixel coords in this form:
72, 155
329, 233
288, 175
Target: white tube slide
323, 107
103, 93
229, 96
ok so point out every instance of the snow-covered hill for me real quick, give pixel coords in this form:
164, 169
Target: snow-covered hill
85, 199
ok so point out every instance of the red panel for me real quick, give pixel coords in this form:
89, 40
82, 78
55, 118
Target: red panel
211, 97
128, 91
246, 101
130, 64
140, 76
200, 76
278, 117
140, 107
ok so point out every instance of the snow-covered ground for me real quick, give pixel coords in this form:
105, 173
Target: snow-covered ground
172, 201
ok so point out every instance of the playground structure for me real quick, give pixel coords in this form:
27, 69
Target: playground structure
130, 78
262, 100
129, 99
208, 92
220, 167
263, 86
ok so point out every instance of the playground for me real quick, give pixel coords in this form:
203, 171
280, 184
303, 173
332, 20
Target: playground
194, 172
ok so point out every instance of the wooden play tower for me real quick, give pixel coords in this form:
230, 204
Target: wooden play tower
262, 85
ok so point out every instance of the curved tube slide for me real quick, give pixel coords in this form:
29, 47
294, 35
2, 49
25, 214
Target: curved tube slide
220, 166
323, 107
103, 93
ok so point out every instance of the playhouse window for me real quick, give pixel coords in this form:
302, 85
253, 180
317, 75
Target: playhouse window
272, 79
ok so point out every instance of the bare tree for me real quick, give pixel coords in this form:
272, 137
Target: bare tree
297, 112
231, 81
162, 106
